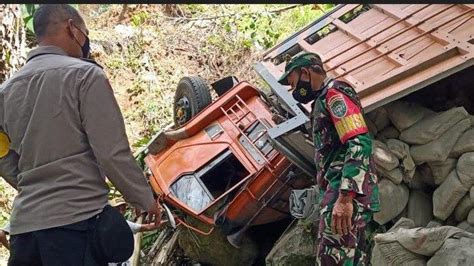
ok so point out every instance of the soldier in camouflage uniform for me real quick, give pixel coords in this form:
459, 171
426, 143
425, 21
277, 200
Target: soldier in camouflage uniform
344, 164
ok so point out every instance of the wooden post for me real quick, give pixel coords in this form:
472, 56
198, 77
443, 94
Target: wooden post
135, 259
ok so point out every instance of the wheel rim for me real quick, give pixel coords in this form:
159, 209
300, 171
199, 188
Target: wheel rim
183, 110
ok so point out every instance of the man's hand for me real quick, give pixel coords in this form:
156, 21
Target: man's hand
151, 227
154, 214
341, 223
4, 240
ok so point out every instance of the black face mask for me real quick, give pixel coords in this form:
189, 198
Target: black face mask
303, 92
86, 47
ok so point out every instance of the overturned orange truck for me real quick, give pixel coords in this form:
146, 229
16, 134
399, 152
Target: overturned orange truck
232, 162
221, 166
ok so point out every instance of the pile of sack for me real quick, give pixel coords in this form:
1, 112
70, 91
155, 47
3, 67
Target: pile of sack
406, 244
425, 162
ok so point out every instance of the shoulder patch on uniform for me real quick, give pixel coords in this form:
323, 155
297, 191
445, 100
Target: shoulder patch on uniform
346, 115
337, 105
4, 144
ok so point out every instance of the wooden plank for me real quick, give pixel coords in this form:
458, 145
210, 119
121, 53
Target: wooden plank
432, 39
137, 242
405, 86
332, 42
440, 35
166, 250
362, 24
413, 68
376, 68
372, 44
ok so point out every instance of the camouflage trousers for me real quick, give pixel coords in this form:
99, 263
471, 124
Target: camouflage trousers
350, 249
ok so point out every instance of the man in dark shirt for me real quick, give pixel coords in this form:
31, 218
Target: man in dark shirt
63, 132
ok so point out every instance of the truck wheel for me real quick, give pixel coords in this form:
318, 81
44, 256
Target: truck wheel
192, 95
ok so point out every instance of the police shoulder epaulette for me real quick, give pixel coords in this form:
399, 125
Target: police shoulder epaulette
91, 61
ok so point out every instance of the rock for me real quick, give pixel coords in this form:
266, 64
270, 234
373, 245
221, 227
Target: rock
454, 252
464, 225
462, 209
125, 31
379, 117
420, 208
470, 217
432, 127
395, 175
393, 199
383, 157
404, 114
441, 170
372, 128
215, 249
471, 193
390, 132
439, 149
465, 169
448, 195
464, 144
296, 246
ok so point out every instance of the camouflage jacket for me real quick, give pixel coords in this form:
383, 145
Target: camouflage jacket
343, 146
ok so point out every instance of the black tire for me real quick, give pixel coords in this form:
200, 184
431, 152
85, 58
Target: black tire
192, 96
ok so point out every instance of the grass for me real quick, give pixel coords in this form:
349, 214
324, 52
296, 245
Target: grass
212, 48
145, 68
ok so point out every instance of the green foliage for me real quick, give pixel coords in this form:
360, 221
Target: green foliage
113, 191
295, 19
28, 11
102, 8
7, 193
256, 28
209, 40
196, 8
138, 19
148, 239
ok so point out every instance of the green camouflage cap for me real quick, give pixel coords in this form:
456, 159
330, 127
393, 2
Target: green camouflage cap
306, 59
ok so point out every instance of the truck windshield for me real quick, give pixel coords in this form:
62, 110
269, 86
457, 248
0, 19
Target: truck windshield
192, 192
199, 189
